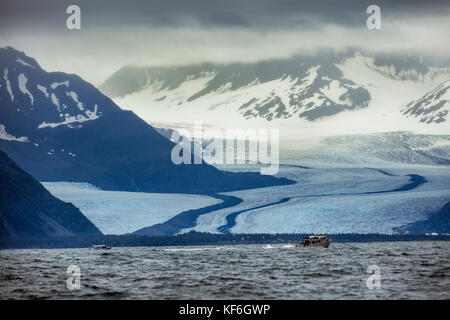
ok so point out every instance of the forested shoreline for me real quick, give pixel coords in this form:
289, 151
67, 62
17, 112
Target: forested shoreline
198, 238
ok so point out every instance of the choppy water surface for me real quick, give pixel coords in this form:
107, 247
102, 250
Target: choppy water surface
409, 270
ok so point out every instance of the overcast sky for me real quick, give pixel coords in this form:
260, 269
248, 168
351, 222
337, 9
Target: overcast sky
115, 33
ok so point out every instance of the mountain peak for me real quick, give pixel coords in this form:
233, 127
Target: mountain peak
35, 99
11, 56
433, 106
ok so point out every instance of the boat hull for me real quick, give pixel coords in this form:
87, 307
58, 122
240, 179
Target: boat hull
323, 243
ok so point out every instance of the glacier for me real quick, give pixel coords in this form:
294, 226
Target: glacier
117, 212
336, 200
345, 184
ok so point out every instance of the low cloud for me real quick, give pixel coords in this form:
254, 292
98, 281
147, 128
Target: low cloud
222, 36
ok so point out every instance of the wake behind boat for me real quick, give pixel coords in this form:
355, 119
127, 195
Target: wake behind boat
319, 240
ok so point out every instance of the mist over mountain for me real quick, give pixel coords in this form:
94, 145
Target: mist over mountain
303, 80
307, 87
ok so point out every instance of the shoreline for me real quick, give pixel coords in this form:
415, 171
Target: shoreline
201, 239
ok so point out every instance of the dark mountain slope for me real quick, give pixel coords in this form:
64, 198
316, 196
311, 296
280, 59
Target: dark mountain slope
27, 209
58, 127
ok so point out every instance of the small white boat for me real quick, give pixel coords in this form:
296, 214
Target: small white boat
100, 247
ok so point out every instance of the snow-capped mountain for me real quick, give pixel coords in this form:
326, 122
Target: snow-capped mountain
59, 127
32, 98
300, 90
432, 107
302, 87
